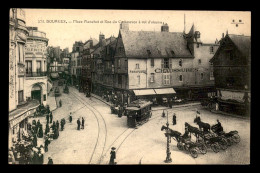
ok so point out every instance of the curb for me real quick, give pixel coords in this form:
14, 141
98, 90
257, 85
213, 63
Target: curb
97, 97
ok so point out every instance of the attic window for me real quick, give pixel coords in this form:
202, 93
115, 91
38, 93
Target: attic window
211, 49
172, 52
180, 62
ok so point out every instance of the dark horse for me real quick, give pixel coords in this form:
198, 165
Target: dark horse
173, 133
193, 130
202, 125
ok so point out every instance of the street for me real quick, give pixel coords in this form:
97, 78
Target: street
144, 145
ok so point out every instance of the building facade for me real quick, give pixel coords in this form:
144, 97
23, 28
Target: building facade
231, 65
169, 62
19, 107
36, 65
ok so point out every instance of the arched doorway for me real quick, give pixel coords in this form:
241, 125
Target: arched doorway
36, 92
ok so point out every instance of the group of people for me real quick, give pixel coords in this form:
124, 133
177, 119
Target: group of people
82, 123
173, 118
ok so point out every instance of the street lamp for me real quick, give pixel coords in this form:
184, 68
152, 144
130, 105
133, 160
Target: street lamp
168, 157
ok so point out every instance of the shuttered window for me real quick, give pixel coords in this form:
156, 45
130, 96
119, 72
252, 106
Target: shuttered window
166, 79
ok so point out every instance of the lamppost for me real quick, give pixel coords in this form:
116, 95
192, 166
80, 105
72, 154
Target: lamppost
168, 157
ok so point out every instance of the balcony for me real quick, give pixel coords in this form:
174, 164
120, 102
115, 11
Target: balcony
36, 74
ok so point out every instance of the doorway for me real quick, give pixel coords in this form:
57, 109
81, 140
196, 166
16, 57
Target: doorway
36, 93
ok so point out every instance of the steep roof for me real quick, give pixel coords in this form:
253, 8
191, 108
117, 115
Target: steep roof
105, 42
160, 44
242, 42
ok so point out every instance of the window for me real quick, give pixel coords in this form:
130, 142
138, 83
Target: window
152, 77
119, 79
148, 52
198, 45
20, 51
44, 67
180, 62
119, 63
199, 61
39, 66
166, 79
138, 79
137, 66
28, 66
166, 63
180, 78
201, 76
152, 62
20, 96
211, 76
211, 49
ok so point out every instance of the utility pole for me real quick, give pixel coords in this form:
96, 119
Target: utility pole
168, 157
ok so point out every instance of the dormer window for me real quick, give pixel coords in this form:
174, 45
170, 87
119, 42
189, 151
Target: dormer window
172, 52
149, 52
180, 62
211, 49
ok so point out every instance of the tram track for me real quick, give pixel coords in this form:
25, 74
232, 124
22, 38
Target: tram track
96, 156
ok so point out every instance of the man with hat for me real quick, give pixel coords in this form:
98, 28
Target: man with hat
78, 122
70, 118
174, 119
112, 156
47, 118
50, 162
163, 114
51, 117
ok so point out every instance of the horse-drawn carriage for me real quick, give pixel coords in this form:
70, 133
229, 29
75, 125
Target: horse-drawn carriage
114, 109
61, 82
41, 111
138, 112
184, 142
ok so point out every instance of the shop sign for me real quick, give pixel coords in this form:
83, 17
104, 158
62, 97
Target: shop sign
230, 95
168, 70
137, 71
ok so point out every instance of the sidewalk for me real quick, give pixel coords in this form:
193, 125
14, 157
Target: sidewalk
153, 108
229, 114
52, 101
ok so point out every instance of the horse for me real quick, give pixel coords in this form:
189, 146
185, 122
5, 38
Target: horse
173, 133
202, 125
197, 133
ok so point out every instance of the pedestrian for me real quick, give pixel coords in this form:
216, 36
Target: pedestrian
34, 140
51, 117
78, 122
38, 126
70, 118
46, 144
62, 124
53, 126
47, 129
40, 131
57, 125
112, 156
47, 118
163, 114
50, 161
174, 119
60, 103
197, 112
82, 124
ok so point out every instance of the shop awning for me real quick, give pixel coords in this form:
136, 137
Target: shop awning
165, 91
144, 92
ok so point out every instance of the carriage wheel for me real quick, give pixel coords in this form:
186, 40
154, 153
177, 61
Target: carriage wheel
223, 144
203, 149
236, 138
194, 152
180, 146
215, 148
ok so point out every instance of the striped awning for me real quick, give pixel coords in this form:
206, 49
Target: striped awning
144, 92
165, 91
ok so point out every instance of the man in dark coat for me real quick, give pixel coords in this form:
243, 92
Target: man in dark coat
38, 126
60, 103
40, 131
57, 125
83, 122
78, 122
163, 114
47, 118
46, 144
112, 156
70, 118
50, 162
174, 119
47, 129
51, 117
62, 124
34, 140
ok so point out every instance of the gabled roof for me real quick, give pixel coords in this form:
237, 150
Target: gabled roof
160, 44
242, 42
98, 46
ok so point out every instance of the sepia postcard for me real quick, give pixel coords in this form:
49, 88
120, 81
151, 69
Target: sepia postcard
129, 87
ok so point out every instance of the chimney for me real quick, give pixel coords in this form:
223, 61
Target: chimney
165, 28
101, 37
222, 35
124, 26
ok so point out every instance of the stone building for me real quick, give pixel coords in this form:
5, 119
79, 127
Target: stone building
36, 65
231, 64
19, 107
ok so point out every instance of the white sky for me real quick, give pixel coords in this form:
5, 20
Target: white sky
211, 24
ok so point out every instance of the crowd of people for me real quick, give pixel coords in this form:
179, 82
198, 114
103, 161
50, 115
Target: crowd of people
26, 150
